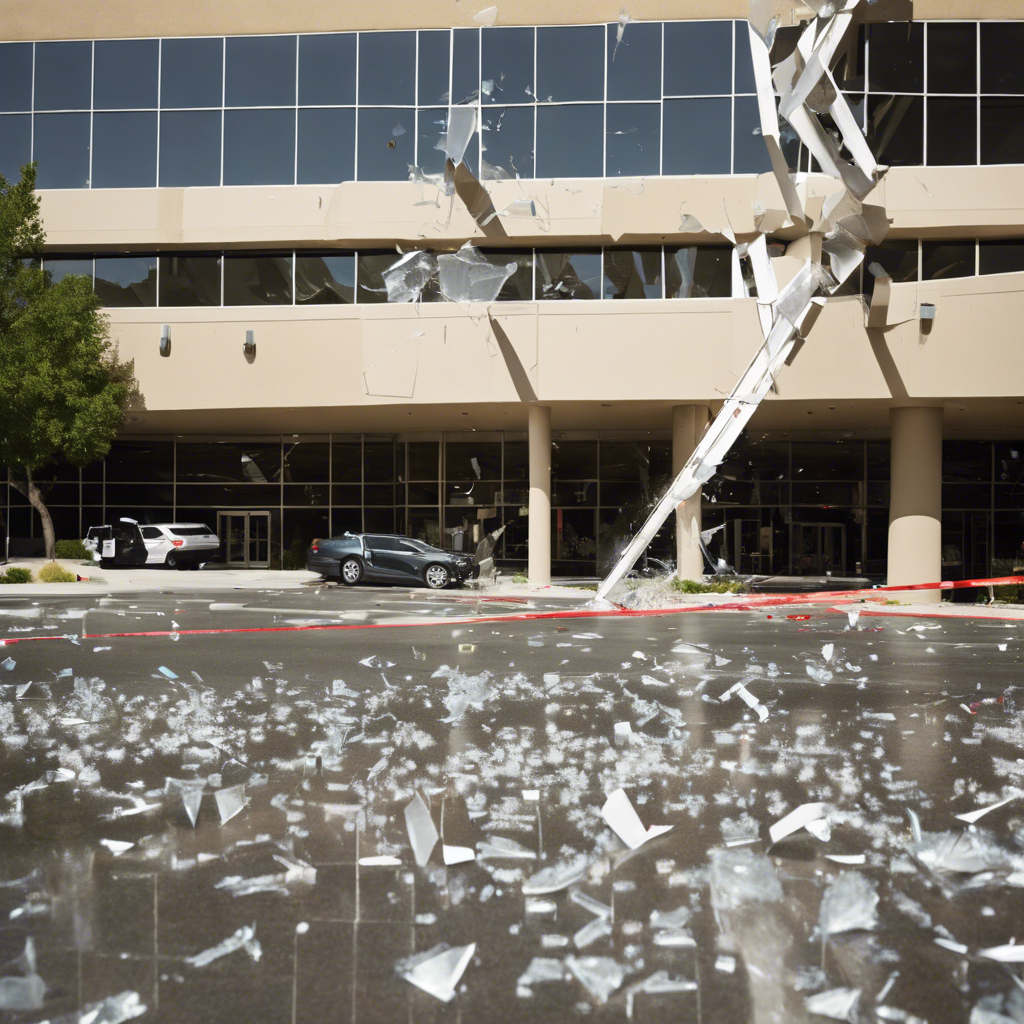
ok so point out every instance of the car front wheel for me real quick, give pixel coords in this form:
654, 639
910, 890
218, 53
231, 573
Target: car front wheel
437, 577
351, 571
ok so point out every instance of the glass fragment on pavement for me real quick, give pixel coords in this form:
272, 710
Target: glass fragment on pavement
437, 971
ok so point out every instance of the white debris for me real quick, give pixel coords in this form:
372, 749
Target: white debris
601, 976
623, 820
488, 16
116, 846
972, 816
438, 970
230, 802
837, 1003
419, 824
827, 651
244, 938
850, 903
748, 698
796, 820
1009, 954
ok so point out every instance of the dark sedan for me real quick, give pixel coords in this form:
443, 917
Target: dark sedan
388, 558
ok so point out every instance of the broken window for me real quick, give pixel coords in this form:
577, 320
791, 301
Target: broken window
1005, 257
386, 143
63, 76
259, 71
897, 258
431, 124
466, 65
327, 145
633, 139
570, 141
387, 68
634, 71
15, 144
126, 280
947, 259
698, 58
192, 280
327, 69
706, 120
372, 267
124, 149
15, 76
698, 272
506, 65
519, 287
259, 147
952, 130
190, 143
568, 275
952, 57
507, 140
434, 62
570, 64
325, 279
61, 149
750, 156
125, 74
258, 280
895, 129
896, 56
1002, 70
632, 274
1002, 130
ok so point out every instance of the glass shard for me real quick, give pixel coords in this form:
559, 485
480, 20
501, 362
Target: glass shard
461, 126
796, 820
837, 1003
601, 976
230, 802
623, 820
22, 993
419, 824
557, 877
408, 278
191, 793
488, 16
467, 276
850, 903
244, 938
437, 971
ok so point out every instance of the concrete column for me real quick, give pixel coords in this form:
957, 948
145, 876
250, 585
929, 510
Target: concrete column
539, 563
688, 423
915, 509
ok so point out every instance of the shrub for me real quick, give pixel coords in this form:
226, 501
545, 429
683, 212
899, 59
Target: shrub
16, 575
519, 578
291, 561
54, 573
696, 587
1010, 594
72, 550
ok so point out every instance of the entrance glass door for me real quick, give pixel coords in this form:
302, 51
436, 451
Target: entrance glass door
819, 549
246, 539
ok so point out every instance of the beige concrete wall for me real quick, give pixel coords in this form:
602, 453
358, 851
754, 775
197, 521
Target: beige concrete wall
935, 201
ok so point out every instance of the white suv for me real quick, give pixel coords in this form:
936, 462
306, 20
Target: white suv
176, 545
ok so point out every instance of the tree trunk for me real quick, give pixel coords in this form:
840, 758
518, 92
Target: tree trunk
30, 489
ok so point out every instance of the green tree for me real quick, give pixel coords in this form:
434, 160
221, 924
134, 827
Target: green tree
63, 391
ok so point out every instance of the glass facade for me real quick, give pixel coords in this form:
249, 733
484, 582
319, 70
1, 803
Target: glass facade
791, 507
554, 101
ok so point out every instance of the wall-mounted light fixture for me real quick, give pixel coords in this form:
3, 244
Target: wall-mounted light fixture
927, 310
165, 340
249, 345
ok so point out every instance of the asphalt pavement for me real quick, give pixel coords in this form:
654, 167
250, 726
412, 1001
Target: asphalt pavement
401, 805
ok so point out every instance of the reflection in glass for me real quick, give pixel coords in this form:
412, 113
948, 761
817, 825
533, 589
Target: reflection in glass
324, 279
952, 130
327, 145
372, 268
125, 75
189, 148
347, 460
327, 69
697, 136
633, 139
124, 150
700, 58
632, 274
750, 155
1002, 130
466, 65
431, 123
634, 71
434, 61
141, 460
305, 460
698, 272
57, 269
570, 63
947, 259
63, 76
126, 280
387, 68
1002, 70
61, 148
386, 143
568, 275
896, 56
570, 141
506, 65
895, 129
1000, 257
507, 139
519, 287
15, 144
15, 76
952, 49
256, 462
259, 147
190, 73
189, 280
259, 71
262, 280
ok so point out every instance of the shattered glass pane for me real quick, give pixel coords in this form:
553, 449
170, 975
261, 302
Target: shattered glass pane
952, 130
568, 275
372, 266
633, 139
519, 287
1002, 130
1001, 68
434, 61
327, 145
507, 139
457, 141
749, 153
507, 60
895, 129
940, 260
570, 141
632, 274
387, 68
698, 58
570, 64
328, 278
635, 73
896, 56
952, 52
468, 276
431, 122
466, 65
709, 120
849, 903
385, 154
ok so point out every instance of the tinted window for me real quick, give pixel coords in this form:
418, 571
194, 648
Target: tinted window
260, 71
126, 280
895, 129
632, 274
698, 272
125, 74
897, 258
189, 280
1002, 130
387, 67
570, 63
327, 69
466, 64
141, 460
952, 130
568, 275
327, 145
1002, 70
430, 123
633, 139
744, 65
257, 280
1000, 257
15, 76
750, 155
896, 56
507, 139
190, 147
947, 259
15, 144
506, 63
57, 269
259, 147
152, 533
698, 58
634, 69
697, 136
385, 144
570, 142
62, 150
952, 57
63, 76
124, 150
372, 266
191, 73
189, 531
434, 61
